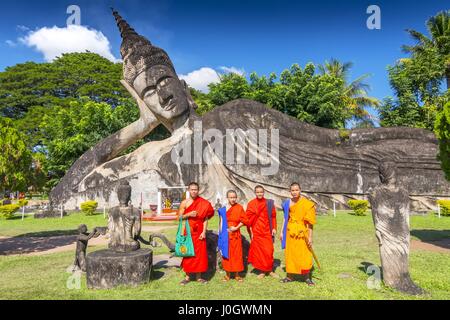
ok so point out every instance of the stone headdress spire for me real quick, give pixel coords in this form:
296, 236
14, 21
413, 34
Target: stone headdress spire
137, 52
124, 27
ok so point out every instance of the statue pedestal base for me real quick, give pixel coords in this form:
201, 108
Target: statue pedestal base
106, 269
49, 214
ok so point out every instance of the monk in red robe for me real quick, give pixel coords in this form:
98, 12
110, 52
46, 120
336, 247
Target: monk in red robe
262, 229
197, 211
235, 218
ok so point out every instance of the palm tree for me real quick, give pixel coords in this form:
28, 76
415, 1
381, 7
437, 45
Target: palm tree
355, 92
439, 30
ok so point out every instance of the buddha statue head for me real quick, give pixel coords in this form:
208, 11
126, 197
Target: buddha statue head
387, 171
124, 193
150, 72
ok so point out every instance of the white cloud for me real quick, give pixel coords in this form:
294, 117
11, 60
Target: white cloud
238, 71
23, 28
11, 43
53, 42
201, 78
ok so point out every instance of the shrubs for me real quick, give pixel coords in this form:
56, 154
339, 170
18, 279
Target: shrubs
359, 207
445, 207
89, 207
7, 211
22, 202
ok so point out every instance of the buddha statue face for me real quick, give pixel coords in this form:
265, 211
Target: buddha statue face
124, 193
163, 93
387, 171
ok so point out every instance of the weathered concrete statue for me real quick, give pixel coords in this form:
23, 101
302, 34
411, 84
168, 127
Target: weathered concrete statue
391, 209
328, 165
82, 242
124, 222
124, 263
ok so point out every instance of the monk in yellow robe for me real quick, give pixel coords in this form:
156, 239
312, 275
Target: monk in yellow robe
297, 234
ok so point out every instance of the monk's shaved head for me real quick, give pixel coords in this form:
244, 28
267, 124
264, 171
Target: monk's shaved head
295, 184
231, 192
259, 187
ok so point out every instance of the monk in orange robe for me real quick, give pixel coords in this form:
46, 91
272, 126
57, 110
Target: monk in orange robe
197, 211
296, 235
235, 218
262, 229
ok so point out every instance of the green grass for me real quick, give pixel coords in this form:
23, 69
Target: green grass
52, 226
344, 244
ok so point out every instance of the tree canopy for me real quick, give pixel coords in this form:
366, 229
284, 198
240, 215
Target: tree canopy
442, 130
62, 108
324, 99
418, 80
15, 158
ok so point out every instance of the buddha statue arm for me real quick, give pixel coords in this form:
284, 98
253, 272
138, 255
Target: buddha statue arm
110, 147
137, 225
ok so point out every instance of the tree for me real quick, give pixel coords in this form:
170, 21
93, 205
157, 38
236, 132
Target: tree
319, 99
439, 30
356, 93
71, 131
417, 80
418, 91
442, 130
201, 99
15, 158
231, 86
60, 82
314, 98
38, 98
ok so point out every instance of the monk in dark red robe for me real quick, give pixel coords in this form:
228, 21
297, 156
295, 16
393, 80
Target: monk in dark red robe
262, 232
198, 211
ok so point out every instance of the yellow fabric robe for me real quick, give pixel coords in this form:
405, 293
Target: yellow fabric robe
299, 259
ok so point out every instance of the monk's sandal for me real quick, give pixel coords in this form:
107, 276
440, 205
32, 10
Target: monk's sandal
286, 280
310, 283
184, 282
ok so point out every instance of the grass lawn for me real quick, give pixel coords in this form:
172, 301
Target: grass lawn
343, 244
31, 227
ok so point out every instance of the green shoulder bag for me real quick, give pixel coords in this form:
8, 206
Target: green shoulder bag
184, 247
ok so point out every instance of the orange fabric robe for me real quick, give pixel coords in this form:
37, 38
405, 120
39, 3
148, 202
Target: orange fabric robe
199, 263
261, 247
235, 261
298, 257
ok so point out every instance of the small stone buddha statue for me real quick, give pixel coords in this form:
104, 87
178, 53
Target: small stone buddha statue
124, 222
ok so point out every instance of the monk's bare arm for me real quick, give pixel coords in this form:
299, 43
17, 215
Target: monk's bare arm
236, 228
182, 210
310, 230
274, 222
282, 231
310, 234
205, 227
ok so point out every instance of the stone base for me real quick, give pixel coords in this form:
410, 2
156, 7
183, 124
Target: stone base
41, 214
106, 269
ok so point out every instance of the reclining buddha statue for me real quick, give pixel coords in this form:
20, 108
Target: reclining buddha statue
237, 146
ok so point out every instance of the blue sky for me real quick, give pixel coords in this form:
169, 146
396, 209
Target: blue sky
263, 36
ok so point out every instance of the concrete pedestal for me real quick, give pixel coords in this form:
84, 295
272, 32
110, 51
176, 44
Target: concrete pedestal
106, 269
